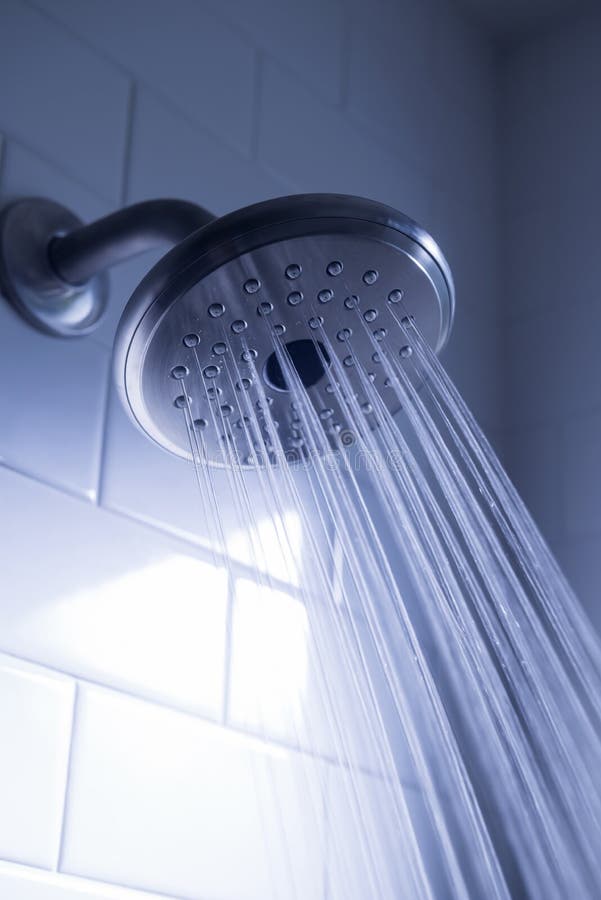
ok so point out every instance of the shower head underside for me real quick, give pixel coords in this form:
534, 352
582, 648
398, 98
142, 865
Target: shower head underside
317, 276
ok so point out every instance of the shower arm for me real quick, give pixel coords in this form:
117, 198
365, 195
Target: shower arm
53, 267
84, 252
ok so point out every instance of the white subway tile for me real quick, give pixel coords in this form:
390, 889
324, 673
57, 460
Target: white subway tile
144, 481
391, 47
303, 676
63, 98
52, 408
98, 596
35, 722
315, 146
201, 64
164, 802
295, 32
171, 157
26, 174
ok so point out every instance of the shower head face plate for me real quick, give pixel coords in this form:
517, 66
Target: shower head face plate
324, 277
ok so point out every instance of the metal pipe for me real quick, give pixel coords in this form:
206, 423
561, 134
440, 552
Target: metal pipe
84, 252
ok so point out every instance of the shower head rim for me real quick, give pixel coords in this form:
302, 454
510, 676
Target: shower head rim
251, 220
246, 230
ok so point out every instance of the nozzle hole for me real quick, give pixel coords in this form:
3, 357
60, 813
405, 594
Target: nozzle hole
309, 361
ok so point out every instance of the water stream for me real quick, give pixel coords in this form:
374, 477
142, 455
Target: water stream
456, 698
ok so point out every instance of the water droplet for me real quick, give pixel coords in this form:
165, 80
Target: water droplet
213, 392
372, 376
180, 401
265, 308
330, 388
238, 326
380, 334
179, 372
211, 371
367, 407
406, 320
315, 322
297, 442
348, 361
387, 382
370, 315
370, 277
293, 271
216, 310
279, 328
226, 409
325, 296
395, 296
326, 413
259, 404
252, 285
334, 268
344, 334
190, 340
351, 302
405, 351
250, 460
248, 355
200, 423
294, 298
244, 384
375, 357
219, 348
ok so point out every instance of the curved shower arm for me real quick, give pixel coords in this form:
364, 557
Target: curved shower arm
53, 267
89, 249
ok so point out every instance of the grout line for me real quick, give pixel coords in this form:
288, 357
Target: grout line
120, 67
68, 881
327, 838
268, 742
128, 886
61, 843
196, 549
384, 143
227, 655
10, 136
128, 142
63, 489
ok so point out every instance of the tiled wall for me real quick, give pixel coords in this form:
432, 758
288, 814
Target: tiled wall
550, 281
129, 675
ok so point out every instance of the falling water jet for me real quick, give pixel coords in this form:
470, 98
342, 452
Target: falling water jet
286, 341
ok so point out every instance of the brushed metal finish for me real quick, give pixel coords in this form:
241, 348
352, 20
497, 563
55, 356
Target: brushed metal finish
286, 248
28, 280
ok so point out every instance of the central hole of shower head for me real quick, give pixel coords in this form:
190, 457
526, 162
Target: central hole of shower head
309, 360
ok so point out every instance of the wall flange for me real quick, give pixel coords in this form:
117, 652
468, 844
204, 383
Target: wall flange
28, 279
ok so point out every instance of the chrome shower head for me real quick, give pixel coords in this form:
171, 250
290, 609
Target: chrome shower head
319, 277
201, 327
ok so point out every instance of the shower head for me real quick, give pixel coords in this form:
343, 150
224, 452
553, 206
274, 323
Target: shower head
324, 279
198, 339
